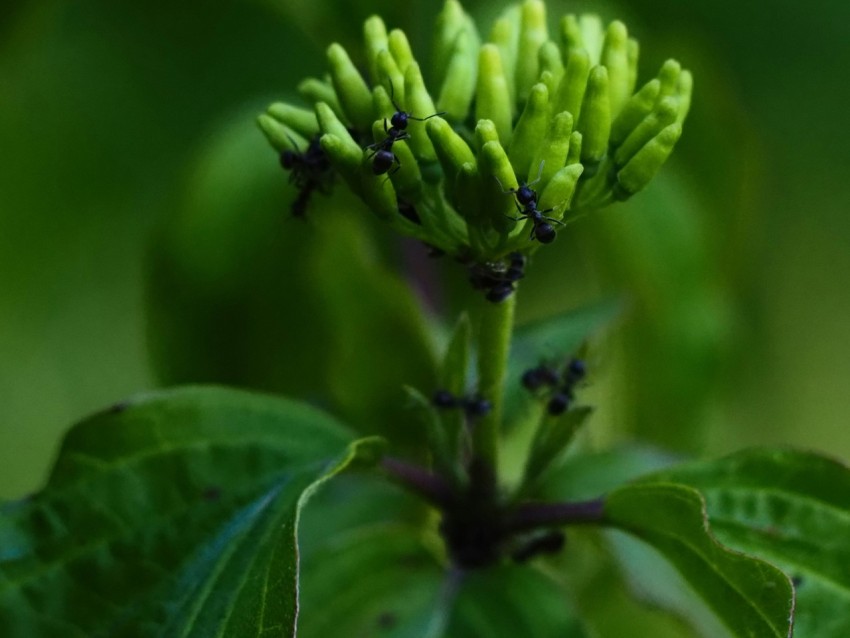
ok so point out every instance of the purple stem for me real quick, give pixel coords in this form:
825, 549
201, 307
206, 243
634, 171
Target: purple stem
431, 487
534, 515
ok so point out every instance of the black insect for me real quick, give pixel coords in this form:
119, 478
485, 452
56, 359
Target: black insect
525, 199
309, 171
383, 158
548, 543
497, 279
473, 405
563, 383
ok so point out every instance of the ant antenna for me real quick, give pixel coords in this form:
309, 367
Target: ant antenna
539, 174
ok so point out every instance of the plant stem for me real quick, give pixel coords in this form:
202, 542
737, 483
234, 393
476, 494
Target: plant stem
494, 341
533, 515
433, 488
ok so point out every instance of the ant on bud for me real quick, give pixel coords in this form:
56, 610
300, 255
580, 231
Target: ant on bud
309, 171
525, 199
383, 157
473, 406
565, 383
497, 279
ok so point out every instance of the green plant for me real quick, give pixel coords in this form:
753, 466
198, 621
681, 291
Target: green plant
180, 512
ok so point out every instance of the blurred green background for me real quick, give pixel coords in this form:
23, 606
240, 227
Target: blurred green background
128, 155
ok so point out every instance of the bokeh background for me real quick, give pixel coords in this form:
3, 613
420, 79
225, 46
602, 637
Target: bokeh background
145, 238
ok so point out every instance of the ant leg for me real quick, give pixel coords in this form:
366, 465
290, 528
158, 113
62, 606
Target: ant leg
422, 119
386, 130
510, 190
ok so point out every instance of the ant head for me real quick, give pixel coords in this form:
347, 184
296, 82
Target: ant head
399, 119
544, 233
382, 162
499, 292
288, 159
558, 404
525, 195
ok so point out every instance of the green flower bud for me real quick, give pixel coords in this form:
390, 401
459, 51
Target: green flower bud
400, 49
551, 61
615, 58
345, 159
635, 110
379, 193
640, 170
570, 35
466, 193
686, 87
633, 53
582, 139
497, 175
459, 85
408, 178
559, 192
574, 154
281, 137
300, 120
532, 34
529, 131
552, 153
492, 97
331, 124
669, 77
592, 35
485, 131
452, 151
548, 80
595, 119
390, 76
450, 22
375, 37
419, 104
573, 84
314, 90
383, 105
354, 95
505, 35
665, 114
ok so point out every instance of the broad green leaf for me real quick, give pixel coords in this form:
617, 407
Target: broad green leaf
172, 514
607, 602
751, 597
792, 509
644, 589
379, 570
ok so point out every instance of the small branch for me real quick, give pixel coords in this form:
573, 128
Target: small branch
431, 487
535, 515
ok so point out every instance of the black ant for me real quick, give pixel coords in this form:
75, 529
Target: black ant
308, 171
495, 279
544, 376
473, 406
383, 157
526, 204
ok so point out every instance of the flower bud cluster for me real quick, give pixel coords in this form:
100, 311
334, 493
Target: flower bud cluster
517, 135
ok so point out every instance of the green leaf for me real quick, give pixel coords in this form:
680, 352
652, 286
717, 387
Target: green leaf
377, 570
793, 509
750, 596
553, 435
172, 514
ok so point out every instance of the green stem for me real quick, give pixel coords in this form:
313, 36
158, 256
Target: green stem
494, 342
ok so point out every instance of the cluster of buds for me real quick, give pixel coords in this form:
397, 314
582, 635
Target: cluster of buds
524, 131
